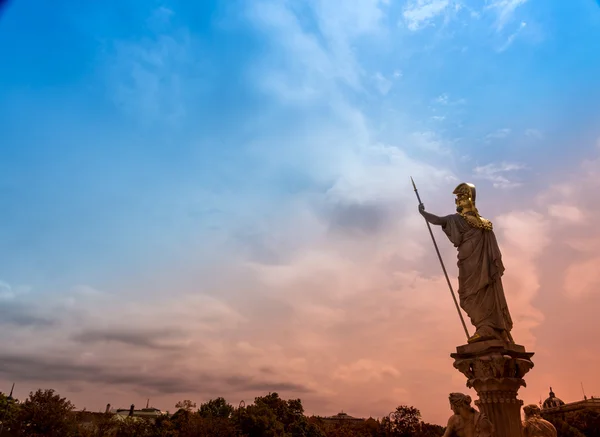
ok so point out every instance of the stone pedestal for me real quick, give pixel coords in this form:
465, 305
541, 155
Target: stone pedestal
496, 370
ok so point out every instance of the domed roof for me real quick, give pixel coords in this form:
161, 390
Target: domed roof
552, 401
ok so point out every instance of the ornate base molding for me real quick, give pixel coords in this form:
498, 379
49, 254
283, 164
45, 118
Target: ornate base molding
496, 371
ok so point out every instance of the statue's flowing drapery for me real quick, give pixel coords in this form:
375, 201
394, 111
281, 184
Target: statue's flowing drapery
480, 270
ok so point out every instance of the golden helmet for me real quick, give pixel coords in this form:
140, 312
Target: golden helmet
466, 190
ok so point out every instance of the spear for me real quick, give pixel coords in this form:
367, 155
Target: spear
442, 263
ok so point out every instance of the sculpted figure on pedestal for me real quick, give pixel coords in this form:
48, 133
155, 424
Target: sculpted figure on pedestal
467, 421
534, 425
480, 266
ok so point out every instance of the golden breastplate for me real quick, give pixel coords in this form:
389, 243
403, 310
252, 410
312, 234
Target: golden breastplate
476, 221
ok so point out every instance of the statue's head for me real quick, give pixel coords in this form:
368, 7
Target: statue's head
531, 410
465, 197
459, 402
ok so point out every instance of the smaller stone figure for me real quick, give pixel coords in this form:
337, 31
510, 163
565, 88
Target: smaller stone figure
467, 421
534, 425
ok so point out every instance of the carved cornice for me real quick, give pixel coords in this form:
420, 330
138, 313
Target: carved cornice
491, 367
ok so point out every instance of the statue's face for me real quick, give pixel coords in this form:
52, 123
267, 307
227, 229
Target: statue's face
455, 408
462, 202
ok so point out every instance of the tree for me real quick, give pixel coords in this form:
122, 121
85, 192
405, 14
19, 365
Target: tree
9, 410
216, 408
405, 421
45, 413
287, 412
259, 420
164, 427
95, 424
430, 430
186, 405
563, 429
587, 421
134, 427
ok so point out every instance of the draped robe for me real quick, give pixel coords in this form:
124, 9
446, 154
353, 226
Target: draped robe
480, 270
535, 426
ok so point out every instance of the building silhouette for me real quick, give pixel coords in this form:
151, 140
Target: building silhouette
556, 407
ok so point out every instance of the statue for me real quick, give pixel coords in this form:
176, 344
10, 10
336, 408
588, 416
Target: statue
534, 425
480, 266
467, 421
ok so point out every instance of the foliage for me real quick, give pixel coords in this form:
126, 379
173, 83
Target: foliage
582, 423
8, 412
563, 429
216, 408
430, 430
134, 427
45, 413
186, 405
405, 421
587, 421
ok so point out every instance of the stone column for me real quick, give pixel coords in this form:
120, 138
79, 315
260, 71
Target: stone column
496, 370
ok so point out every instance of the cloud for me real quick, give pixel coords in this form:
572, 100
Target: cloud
365, 371
444, 99
568, 213
525, 236
420, 13
430, 141
327, 252
152, 339
505, 10
359, 217
534, 133
498, 134
151, 379
511, 38
496, 173
567, 205
316, 67
21, 315
582, 278
383, 85
152, 80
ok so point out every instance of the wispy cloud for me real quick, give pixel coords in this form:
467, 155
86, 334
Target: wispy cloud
421, 13
511, 38
445, 100
151, 79
497, 174
430, 141
534, 133
498, 134
569, 208
383, 84
505, 10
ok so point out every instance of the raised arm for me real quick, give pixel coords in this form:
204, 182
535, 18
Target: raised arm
432, 218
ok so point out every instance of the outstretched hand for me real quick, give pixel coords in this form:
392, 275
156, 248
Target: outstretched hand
421, 209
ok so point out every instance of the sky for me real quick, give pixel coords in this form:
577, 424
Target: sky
213, 198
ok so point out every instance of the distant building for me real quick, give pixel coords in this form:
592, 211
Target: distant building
556, 407
145, 413
342, 418
88, 418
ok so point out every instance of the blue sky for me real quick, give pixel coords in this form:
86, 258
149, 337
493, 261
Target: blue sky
149, 147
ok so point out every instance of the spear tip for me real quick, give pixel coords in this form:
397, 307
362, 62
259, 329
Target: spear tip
413, 183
